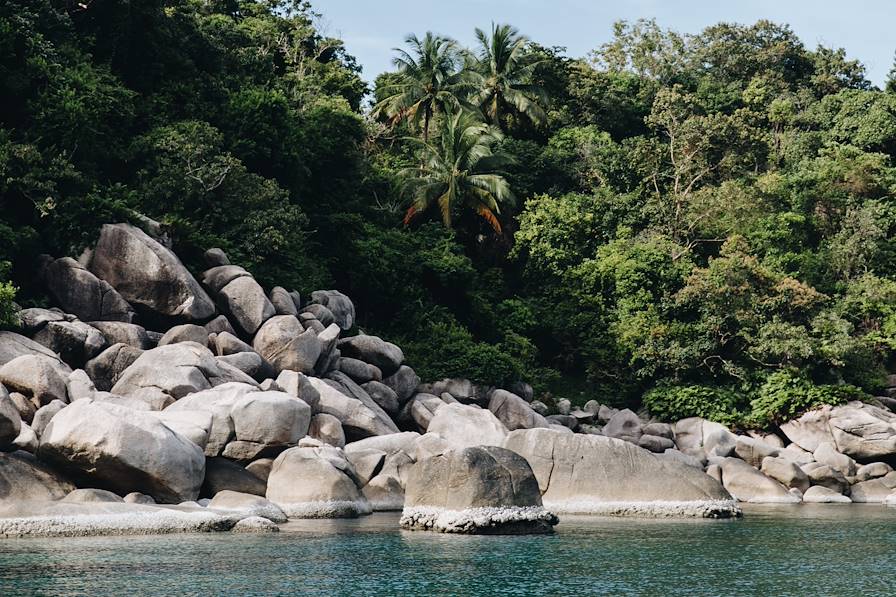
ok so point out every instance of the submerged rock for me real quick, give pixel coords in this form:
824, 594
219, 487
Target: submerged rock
255, 524
481, 490
595, 474
822, 495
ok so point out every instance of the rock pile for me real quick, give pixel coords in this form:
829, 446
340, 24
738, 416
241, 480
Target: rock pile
207, 403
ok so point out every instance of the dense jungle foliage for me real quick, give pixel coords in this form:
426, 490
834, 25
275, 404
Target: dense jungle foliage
700, 222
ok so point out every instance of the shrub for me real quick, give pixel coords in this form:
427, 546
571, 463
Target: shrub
785, 396
447, 349
8, 308
672, 403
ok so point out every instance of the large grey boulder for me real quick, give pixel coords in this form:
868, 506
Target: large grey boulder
826, 453
366, 463
270, 418
359, 371
187, 332
467, 426
315, 483
874, 491
215, 256
753, 451
216, 278
14, 345
384, 396
785, 472
249, 363
692, 433
283, 302
105, 369
89, 495
10, 419
219, 324
873, 470
624, 425
822, 495
338, 304
825, 476
224, 475
245, 301
720, 442
285, 344
35, 377
79, 385
317, 315
403, 382
148, 275
247, 423
300, 386
80, 292
482, 489
195, 425
24, 405
405, 441
596, 474
177, 369
226, 343
34, 319
461, 388
358, 420
374, 350
123, 450
348, 387
385, 490
515, 412
419, 411
248, 504
75, 341
655, 443
862, 431
747, 484
24, 479
327, 429
117, 332
44, 415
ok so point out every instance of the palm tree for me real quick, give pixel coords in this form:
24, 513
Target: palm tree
505, 69
429, 79
460, 169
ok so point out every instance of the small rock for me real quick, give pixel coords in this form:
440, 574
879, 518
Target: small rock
873, 471
255, 524
785, 472
818, 494
187, 332
655, 443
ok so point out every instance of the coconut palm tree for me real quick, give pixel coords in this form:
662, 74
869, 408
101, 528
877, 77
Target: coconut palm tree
460, 169
505, 70
429, 80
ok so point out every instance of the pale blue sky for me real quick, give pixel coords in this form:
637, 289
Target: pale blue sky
371, 28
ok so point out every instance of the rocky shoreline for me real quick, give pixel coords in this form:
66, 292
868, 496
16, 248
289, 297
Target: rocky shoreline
147, 401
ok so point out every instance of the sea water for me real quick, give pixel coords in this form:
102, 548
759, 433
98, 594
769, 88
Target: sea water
840, 550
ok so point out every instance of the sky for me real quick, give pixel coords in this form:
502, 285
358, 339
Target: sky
371, 28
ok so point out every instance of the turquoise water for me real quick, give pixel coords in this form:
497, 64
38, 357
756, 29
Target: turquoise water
803, 550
